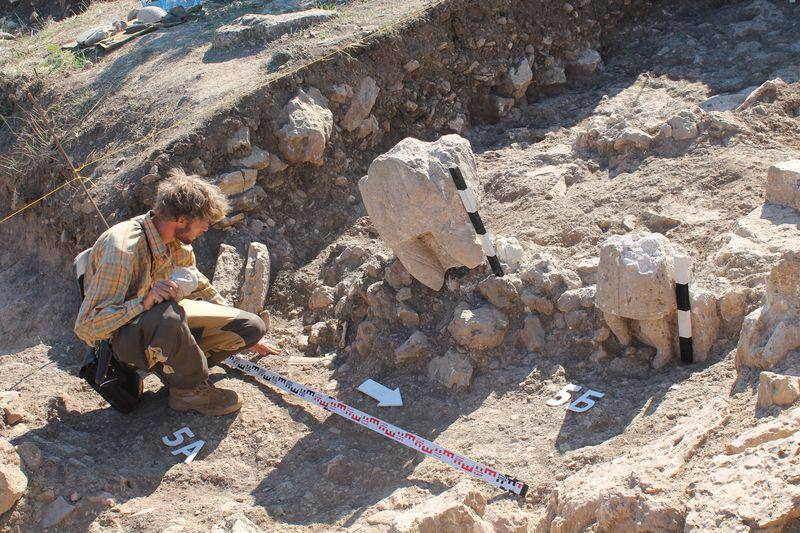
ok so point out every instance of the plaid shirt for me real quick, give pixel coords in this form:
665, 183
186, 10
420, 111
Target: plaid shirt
120, 275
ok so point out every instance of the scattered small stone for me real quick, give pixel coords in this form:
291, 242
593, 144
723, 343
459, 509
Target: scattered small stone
684, 126
55, 513
777, 389
361, 105
479, 329
509, 251
321, 298
407, 316
396, 275
308, 128
415, 347
104, 498
365, 336
338, 470
256, 279
783, 184
403, 294
31, 455
533, 334
521, 77
535, 302
340, 93
411, 66
258, 159
239, 141
500, 292
453, 370
12, 407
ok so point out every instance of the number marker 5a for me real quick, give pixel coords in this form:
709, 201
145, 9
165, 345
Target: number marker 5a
583, 403
190, 450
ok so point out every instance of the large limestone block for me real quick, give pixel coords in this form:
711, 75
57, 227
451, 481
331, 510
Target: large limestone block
636, 292
770, 333
229, 273
413, 203
635, 276
308, 128
12, 479
256, 279
777, 389
783, 183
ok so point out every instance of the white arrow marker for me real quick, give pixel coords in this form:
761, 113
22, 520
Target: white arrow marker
386, 397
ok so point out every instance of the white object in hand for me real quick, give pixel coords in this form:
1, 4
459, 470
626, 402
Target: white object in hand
186, 279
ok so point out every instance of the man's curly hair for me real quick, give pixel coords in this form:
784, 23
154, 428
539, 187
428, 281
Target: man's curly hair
190, 196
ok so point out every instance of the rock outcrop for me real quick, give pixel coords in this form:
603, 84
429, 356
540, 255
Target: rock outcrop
753, 487
629, 493
771, 333
254, 29
460, 509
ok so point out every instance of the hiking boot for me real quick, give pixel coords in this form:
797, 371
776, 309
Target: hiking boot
205, 399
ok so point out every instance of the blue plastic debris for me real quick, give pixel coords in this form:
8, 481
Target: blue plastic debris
166, 5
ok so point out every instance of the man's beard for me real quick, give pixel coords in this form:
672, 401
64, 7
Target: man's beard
183, 236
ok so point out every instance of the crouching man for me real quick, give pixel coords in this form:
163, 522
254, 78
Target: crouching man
145, 294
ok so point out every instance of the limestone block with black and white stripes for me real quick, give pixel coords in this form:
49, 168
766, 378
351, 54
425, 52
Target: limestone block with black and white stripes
415, 207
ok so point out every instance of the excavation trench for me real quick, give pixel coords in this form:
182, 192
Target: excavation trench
452, 69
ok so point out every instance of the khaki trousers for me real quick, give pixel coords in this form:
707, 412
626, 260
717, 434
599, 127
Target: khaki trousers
179, 341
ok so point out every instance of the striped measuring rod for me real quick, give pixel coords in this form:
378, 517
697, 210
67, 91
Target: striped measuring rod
409, 440
472, 210
682, 263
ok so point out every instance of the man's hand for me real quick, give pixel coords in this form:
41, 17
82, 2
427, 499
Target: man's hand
161, 292
263, 347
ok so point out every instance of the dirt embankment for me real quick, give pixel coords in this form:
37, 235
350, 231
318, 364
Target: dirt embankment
464, 51
33, 13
